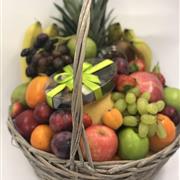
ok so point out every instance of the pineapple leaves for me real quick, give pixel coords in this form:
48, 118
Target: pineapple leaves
100, 19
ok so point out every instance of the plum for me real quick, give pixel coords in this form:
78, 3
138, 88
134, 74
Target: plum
61, 143
148, 82
42, 113
87, 121
60, 120
25, 123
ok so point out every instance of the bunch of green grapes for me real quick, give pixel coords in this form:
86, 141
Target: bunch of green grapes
139, 112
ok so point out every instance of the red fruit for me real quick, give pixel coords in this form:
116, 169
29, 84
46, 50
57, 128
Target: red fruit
122, 65
148, 82
169, 111
125, 82
87, 121
161, 78
25, 123
16, 109
157, 72
137, 65
42, 113
60, 121
103, 142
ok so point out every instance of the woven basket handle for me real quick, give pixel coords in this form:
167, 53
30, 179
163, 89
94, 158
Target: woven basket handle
77, 101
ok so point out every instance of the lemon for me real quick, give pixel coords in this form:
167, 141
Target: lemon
91, 48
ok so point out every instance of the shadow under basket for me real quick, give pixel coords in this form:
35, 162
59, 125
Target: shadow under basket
48, 167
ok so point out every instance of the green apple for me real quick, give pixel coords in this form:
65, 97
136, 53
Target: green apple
131, 145
172, 97
90, 51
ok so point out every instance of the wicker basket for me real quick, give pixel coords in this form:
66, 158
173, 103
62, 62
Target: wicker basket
48, 167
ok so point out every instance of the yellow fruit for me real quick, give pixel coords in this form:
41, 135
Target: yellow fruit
35, 92
29, 38
113, 118
41, 137
98, 108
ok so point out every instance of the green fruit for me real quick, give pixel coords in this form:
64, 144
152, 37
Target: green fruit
135, 91
120, 105
152, 108
141, 105
148, 119
91, 49
130, 98
117, 95
172, 97
130, 121
131, 145
18, 94
132, 109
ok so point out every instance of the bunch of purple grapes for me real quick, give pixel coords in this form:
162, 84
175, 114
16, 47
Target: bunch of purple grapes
46, 56
172, 113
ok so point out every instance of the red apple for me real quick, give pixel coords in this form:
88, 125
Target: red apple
103, 142
42, 113
60, 121
25, 123
148, 82
15, 109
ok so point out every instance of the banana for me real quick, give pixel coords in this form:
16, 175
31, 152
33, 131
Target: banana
143, 50
114, 33
51, 30
29, 38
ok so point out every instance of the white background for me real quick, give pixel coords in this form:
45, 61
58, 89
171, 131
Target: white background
156, 21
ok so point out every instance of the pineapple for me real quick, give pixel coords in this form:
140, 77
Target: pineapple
69, 15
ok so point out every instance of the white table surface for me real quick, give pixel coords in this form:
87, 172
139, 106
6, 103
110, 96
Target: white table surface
156, 21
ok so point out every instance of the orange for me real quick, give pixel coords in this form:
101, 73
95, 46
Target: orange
41, 137
156, 144
35, 92
113, 118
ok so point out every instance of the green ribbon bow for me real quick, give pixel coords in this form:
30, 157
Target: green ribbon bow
89, 80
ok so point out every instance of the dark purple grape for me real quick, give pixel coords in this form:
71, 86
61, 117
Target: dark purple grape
25, 52
50, 70
42, 62
42, 38
63, 49
31, 71
176, 118
28, 59
122, 65
45, 54
49, 46
67, 59
56, 53
50, 59
169, 111
58, 63
37, 45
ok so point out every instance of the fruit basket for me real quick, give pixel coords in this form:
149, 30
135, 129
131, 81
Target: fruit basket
62, 138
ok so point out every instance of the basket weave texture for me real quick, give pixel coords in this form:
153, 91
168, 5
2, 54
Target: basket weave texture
48, 167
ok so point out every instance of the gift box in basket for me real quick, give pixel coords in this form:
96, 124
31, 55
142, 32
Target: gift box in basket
92, 105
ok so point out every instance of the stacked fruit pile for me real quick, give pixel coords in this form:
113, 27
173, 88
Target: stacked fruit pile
137, 118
